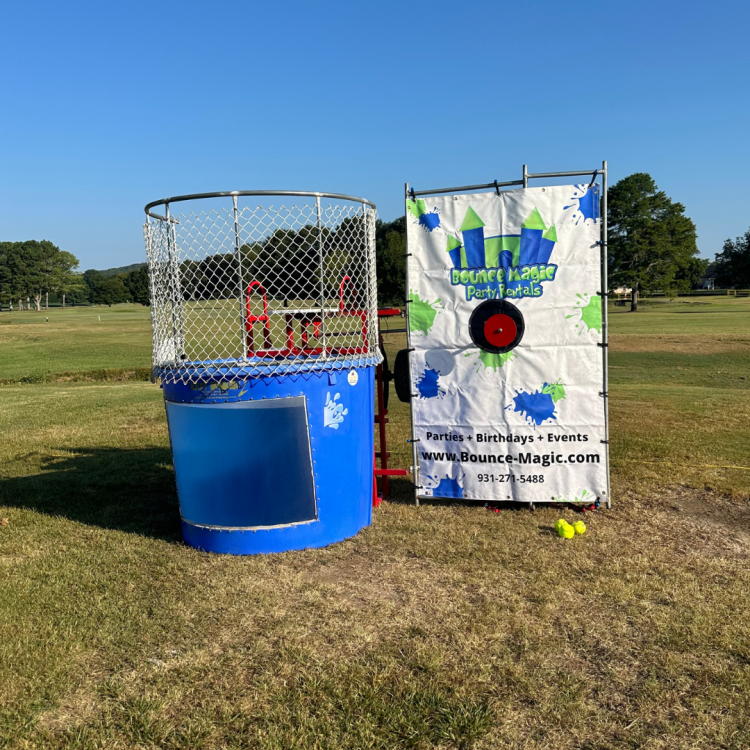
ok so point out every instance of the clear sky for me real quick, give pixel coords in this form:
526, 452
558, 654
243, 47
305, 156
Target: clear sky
105, 106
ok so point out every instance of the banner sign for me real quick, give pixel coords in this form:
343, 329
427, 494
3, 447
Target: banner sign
505, 320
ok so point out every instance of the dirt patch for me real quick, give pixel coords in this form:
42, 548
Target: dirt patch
74, 709
704, 521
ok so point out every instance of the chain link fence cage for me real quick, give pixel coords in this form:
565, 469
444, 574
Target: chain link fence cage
266, 283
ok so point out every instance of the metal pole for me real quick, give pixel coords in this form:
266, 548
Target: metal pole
322, 286
372, 283
415, 462
237, 249
605, 323
179, 344
464, 188
147, 230
525, 176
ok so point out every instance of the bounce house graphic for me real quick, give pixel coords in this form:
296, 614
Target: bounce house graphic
533, 246
507, 265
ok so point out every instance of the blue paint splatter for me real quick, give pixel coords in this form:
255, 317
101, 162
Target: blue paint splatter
587, 203
430, 221
448, 487
428, 385
537, 406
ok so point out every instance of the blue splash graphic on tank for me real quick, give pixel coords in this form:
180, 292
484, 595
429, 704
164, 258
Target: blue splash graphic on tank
429, 386
333, 412
586, 203
539, 406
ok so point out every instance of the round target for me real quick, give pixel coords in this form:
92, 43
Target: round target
496, 326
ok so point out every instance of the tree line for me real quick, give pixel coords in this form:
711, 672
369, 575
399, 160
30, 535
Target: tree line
33, 272
652, 246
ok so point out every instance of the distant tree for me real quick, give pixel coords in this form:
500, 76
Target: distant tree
109, 291
5, 278
650, 239
27, 265
62, 277
91, 278
390, 262
689, 276
733, 263
136, 283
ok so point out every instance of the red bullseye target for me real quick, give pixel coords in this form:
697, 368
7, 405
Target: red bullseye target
500, 330
496, 326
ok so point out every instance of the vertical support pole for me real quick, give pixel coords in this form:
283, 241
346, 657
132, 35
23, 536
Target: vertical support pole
414, 460
372, 325
525, 176
324, 352
241, 295
155, 301
605, 323
176, 289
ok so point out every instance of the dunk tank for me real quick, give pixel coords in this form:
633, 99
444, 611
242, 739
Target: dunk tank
265, 342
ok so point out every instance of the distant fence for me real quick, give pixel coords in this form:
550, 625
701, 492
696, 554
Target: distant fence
623, 297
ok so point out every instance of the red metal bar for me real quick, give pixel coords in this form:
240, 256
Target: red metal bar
250, 319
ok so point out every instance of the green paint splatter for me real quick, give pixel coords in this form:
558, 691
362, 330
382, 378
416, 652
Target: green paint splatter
556, 390
491, 361
590, 313
586, 497
417, 208
421, 314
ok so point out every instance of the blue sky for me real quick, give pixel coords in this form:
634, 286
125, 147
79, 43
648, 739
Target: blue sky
107, 106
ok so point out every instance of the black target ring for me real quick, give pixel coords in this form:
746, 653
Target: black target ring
496, 326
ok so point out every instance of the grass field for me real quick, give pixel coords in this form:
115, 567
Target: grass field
442, 626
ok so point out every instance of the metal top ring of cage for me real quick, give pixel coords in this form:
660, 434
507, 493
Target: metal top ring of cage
260, 289
264, 193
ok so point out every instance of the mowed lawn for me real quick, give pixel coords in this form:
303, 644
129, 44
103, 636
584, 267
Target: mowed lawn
36, 346
443, 626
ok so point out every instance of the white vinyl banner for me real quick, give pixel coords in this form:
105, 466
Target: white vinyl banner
505, 320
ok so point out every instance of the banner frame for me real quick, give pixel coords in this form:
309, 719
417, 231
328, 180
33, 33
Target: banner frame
594, 174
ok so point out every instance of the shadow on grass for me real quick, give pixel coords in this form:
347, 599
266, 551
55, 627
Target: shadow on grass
401, 491
128, 490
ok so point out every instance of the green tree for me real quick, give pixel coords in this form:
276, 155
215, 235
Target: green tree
27, 264
390, 248
5, 248
63, 278
650, 239
136, 283
109, 291
690, 275
733, 263
91, 278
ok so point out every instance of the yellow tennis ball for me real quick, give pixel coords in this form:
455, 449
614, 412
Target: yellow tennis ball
579, 527
558, 523
567, 531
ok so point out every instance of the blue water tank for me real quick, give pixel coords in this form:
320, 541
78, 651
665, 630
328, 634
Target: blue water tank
265, 341
273, 463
